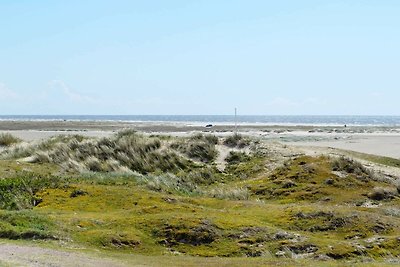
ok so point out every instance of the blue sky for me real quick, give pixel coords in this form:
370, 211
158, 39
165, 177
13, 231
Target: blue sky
200, 57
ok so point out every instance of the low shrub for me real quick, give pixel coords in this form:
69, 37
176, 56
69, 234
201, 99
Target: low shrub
380, 193
19, 192
350, 166
236, 157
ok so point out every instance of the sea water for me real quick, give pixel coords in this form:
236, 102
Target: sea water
223, 119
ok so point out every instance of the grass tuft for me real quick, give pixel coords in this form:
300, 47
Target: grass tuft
7, 139
236, 140
25, 225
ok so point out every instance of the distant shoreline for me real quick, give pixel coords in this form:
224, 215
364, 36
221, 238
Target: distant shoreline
378, 140
200, 120
171, 126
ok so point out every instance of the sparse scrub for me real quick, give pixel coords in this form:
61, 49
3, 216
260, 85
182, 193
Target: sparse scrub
380, 193
187, 183
7, 139
351, 166
18, 151
236, 140
125, 150
211, 139
169, 184
198, 147
126, 132
203, 176
237, 157
93, 164
230, 193
202, 151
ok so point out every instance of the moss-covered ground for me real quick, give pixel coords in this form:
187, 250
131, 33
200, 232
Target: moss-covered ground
309, 210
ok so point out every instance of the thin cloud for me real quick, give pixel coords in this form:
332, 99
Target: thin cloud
72, 95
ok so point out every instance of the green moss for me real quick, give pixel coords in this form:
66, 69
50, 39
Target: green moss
308, 207
246, 169
25, 225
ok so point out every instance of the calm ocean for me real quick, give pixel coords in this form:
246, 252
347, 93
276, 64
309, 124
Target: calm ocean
275, 120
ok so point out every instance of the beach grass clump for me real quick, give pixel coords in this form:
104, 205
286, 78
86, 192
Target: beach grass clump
18, 151
235, 157
239, 193
236, 140
207, 175
188, 182
7, 139
209, 138
198, 147
169, 183
126, 150
353, 167
35, 149
201, 151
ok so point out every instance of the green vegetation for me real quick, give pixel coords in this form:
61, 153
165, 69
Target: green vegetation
236, 140
25, 225
198, 147
7, 139
153, 196
387, 161
125, 152
20, 192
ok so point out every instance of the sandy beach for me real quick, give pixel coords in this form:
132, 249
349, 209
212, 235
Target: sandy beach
382, 145
378, 140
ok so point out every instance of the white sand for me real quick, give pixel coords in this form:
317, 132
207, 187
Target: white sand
382, 145
33, 135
